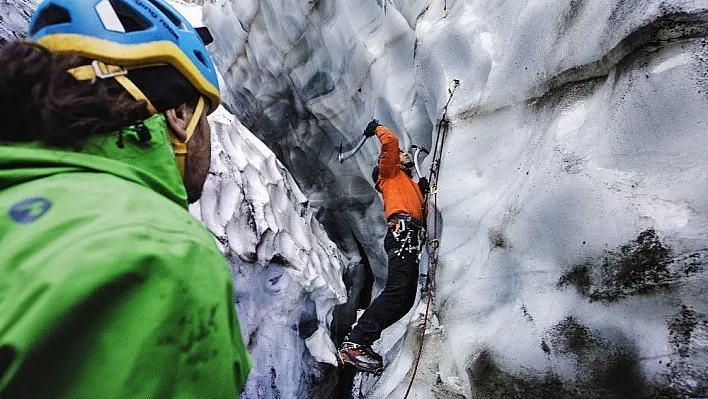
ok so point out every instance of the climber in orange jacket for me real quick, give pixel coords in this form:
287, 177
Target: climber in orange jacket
403, 201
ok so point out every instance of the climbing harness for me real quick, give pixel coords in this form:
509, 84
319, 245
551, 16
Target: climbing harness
442, 129
404, 228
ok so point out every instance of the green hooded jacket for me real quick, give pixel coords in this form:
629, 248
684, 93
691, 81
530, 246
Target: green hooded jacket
109, 288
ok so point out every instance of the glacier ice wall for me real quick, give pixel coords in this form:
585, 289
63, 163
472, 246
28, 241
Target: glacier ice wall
573, 238
14, 15
305, 86
287, 272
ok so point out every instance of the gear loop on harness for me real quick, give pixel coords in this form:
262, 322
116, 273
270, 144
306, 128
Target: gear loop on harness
404, 234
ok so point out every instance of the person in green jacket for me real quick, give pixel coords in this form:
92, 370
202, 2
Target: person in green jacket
109, 288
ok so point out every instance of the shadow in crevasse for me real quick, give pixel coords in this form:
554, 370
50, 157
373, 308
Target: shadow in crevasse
359, 281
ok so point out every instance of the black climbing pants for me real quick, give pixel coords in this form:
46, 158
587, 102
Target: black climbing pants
397, 298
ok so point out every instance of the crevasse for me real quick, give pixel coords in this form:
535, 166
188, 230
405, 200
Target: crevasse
573, 236
572, 190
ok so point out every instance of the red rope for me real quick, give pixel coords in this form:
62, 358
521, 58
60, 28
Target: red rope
429, 290
435, 243
420, 349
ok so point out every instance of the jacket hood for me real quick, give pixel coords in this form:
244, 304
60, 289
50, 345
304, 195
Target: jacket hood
150, 163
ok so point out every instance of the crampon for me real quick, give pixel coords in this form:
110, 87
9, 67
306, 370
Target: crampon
362, 357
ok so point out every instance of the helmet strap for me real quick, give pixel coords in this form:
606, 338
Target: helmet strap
180, 147
196, 116
100, 70
134, 91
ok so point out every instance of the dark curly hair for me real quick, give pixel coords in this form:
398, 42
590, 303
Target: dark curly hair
43, 102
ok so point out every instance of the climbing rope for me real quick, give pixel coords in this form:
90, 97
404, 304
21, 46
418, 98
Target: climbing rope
442, 129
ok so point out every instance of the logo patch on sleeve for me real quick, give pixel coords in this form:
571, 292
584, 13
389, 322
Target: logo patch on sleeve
29, 210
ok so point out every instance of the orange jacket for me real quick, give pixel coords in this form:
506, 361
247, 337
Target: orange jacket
400, 193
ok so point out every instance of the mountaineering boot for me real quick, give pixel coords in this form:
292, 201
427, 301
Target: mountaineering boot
361, 356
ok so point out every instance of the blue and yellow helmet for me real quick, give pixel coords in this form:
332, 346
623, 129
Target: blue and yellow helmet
127, 34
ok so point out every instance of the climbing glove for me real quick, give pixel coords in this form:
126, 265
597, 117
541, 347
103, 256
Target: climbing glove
424, 185
371, 128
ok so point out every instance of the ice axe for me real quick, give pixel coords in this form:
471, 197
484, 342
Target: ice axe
415, 158
343, 156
